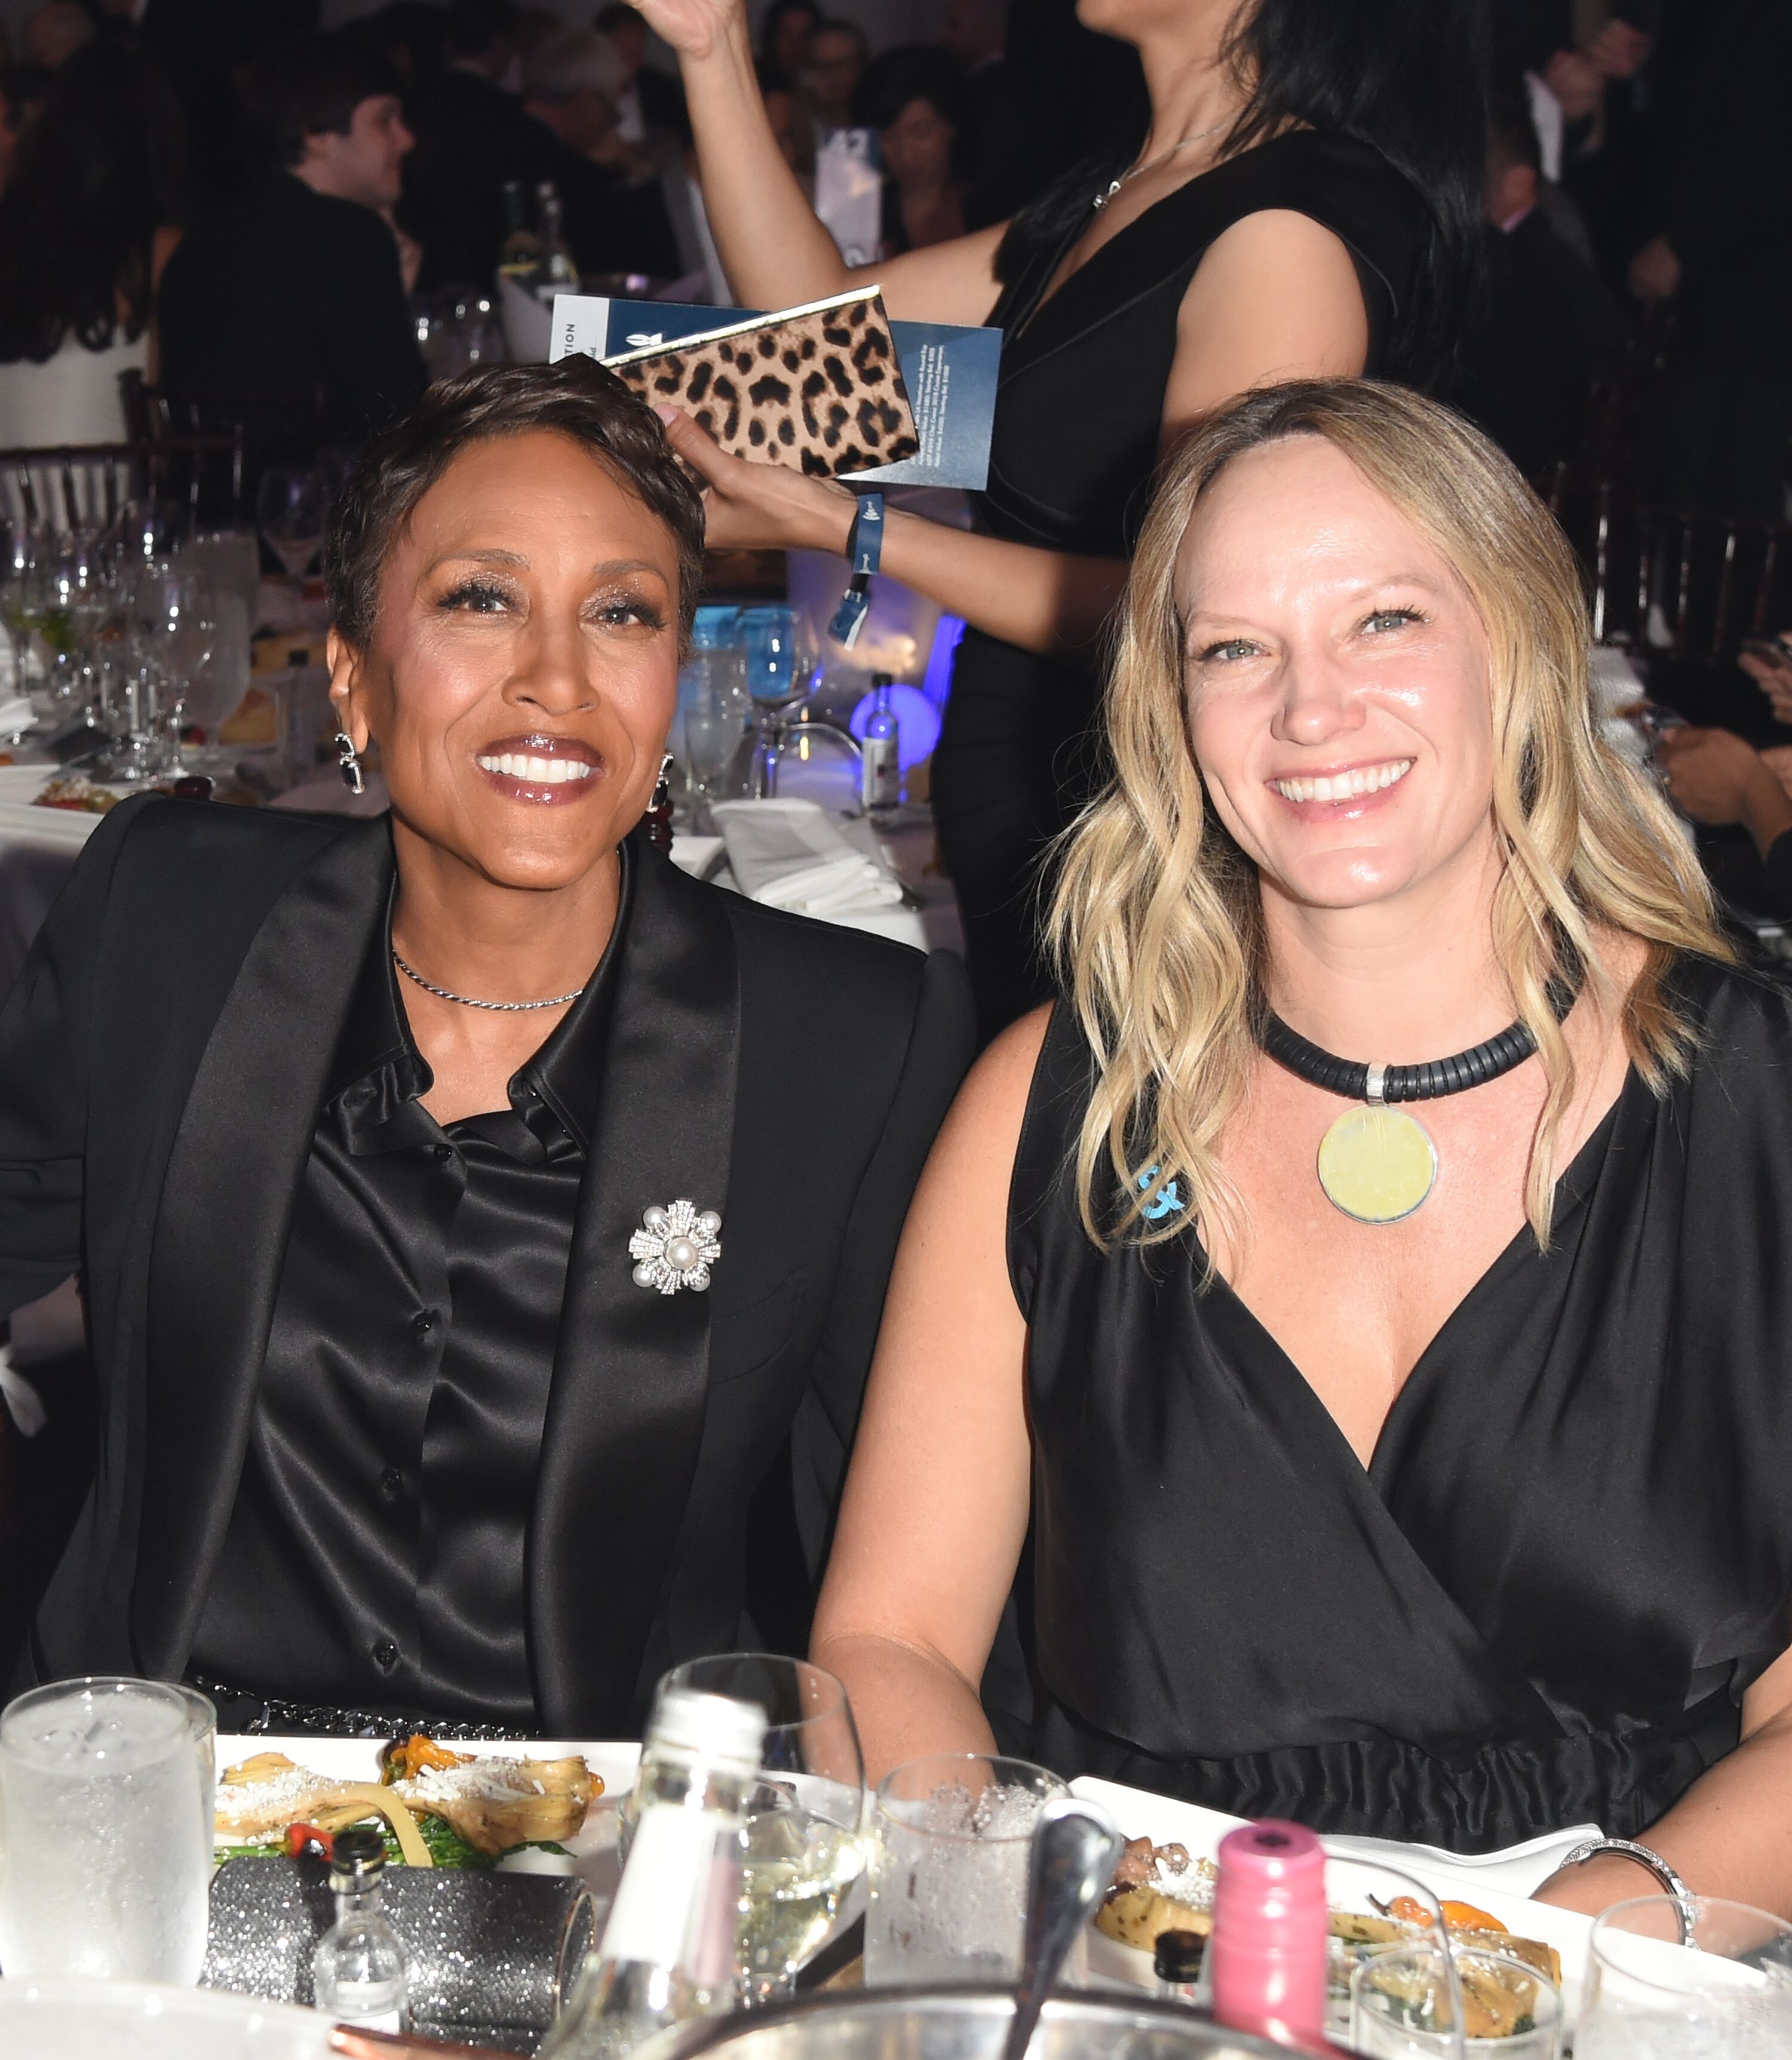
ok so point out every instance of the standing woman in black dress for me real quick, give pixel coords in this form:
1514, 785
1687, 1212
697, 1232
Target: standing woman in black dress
1301, 204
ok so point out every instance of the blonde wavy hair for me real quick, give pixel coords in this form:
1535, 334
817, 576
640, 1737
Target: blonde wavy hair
1156, 922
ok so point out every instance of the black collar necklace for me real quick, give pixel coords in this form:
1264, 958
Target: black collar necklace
1377, 1163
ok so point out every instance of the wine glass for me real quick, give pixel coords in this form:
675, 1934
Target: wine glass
1697, 1979
802, 1851
778, 680
289, 511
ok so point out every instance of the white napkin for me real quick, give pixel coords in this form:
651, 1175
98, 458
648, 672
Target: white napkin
793, 855
16, 714
1519, 1869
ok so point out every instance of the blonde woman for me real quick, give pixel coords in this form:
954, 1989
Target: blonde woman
1417, 1467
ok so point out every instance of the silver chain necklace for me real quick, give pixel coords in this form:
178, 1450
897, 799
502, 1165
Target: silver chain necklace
466, 1001
1163, 157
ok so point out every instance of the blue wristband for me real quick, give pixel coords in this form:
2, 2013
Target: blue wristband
864, 546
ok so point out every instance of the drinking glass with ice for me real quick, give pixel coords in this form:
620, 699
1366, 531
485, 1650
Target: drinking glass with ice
951, 1837
106, 1856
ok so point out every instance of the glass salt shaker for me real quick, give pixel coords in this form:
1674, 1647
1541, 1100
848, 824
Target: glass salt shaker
359, 1974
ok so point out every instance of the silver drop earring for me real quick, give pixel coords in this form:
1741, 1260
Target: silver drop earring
347, 764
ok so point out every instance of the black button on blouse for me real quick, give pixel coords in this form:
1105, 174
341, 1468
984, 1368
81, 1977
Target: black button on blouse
376, 1552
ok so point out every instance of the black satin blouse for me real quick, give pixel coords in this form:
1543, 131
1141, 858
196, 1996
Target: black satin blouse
375, 1553
1541, 1603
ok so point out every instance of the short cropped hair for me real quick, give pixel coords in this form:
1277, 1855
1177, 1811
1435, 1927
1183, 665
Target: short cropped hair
575, 60
307, 86
576, 398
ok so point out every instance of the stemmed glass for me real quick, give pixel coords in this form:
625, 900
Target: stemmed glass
779, 681
289, 510
1700, 1979
802, 1852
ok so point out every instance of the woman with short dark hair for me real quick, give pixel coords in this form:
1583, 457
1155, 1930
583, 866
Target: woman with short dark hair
474, 1212
1305, 200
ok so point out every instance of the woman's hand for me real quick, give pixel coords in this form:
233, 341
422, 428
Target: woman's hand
1711, 773
694, 28
1577, 83
1773, 677
1717, 779
760, 507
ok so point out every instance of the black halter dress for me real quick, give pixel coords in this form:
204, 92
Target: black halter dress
1572, 1551
1079, 413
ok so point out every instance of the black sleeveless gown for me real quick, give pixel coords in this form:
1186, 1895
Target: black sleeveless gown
1572, 1551
1079, 412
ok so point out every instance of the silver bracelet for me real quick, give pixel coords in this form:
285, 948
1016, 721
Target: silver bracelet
1686, 1904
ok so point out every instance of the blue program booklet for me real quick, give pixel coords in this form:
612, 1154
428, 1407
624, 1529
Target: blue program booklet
950, 372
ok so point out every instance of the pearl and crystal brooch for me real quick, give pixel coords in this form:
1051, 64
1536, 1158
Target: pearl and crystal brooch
675, 1247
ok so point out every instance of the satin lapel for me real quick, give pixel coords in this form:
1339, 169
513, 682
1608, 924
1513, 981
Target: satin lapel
221, 1229
625, 1413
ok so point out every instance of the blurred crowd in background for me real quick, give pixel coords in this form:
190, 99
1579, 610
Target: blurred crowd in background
214, 215
196, 187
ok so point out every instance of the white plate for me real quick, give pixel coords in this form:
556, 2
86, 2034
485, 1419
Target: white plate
146, 2021
1166, 1822
23, 822
592, 1848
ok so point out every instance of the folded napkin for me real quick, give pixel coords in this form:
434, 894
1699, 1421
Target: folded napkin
16, 715
793, 855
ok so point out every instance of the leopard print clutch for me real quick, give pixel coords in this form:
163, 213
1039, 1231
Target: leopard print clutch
818, 388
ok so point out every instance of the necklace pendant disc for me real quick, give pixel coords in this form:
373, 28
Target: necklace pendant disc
1377, 1163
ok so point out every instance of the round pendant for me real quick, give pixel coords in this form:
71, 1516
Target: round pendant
1377, 1163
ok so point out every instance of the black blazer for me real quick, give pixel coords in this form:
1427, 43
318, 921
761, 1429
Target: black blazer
163, 1061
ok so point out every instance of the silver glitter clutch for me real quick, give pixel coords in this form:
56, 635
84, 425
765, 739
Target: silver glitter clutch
491, 1955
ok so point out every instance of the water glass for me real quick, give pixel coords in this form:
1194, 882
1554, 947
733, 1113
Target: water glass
950, 1839
232, 559
1706, 1980
201, 1724
108, 1849
713, 708
1402, 2007
213, 689
802, 1853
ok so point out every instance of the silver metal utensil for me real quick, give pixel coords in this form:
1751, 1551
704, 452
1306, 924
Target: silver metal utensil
1076, 1846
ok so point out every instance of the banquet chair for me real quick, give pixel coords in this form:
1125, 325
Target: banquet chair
68, 488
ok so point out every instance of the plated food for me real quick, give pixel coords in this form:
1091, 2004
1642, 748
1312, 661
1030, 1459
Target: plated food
1158, 1889
76, 793
437, 1807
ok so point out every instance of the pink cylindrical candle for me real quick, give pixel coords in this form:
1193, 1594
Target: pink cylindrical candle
1269, 1949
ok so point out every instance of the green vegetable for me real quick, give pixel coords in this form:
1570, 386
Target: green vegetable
448, 1848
